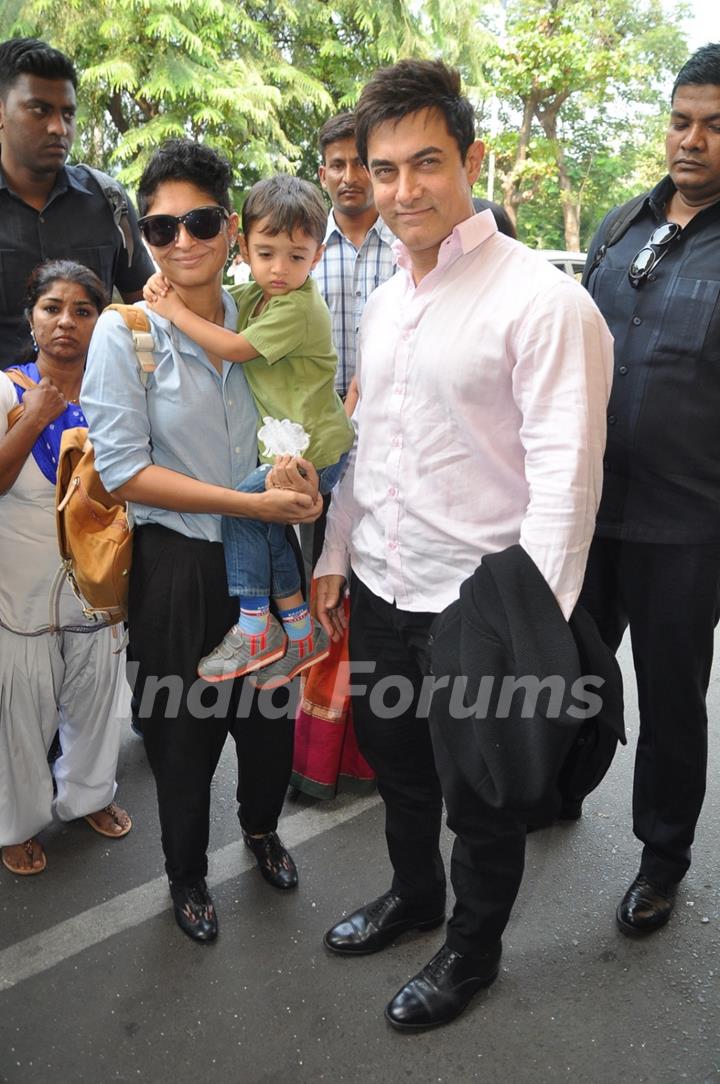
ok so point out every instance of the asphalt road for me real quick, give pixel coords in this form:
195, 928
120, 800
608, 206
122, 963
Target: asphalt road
97, 984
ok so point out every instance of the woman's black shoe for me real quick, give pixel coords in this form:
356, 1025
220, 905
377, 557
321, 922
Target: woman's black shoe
274, 862
195, 911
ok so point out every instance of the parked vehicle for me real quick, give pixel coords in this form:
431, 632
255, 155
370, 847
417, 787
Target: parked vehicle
572, 263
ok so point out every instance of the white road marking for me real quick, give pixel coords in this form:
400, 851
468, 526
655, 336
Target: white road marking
52, 946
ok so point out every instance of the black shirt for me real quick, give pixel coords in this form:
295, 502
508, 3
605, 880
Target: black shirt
75, 224
662, 463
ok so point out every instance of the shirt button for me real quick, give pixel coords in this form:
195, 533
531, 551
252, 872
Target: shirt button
637, 321
358, 293
237, 449
622, 370
41, 218
392, 492
392, 546
229, 402
611, 419
397, 390
396, 442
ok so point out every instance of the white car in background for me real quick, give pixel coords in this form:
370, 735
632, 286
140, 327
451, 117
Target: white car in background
572, 263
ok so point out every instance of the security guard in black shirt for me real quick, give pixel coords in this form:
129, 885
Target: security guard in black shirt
655, 561
48, 209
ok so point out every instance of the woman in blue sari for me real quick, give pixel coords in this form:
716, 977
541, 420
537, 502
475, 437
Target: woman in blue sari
62, 676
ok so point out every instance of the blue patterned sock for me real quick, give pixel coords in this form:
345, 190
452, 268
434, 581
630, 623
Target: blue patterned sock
296, 622
254, 614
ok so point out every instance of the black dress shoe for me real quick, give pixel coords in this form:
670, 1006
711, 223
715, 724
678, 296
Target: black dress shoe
195, 911
377, 924
646, 906
442, 990
274, 862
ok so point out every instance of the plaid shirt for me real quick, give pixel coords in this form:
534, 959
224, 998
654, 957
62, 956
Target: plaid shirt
346, 277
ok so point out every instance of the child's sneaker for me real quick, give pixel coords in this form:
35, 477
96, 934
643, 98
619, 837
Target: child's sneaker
237, 654
299, 656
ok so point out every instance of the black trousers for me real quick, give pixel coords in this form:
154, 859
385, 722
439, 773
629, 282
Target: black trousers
179, 609
668, 595
488, 854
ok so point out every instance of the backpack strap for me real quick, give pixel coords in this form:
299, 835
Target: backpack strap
22, 381
140, 328
618, 223
116, 198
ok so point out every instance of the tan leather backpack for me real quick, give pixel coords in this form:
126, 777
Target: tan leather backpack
94, 535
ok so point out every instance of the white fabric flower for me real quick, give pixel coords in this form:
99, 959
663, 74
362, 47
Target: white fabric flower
282, 437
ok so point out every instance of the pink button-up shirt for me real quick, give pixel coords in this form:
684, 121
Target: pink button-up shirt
481, 423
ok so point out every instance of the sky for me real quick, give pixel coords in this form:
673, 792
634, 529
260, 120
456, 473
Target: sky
705, 25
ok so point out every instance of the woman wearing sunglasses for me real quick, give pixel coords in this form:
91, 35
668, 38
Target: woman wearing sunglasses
175, 450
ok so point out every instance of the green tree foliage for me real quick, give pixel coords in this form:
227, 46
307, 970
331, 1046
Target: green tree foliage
569, 70
257, 78
151, 69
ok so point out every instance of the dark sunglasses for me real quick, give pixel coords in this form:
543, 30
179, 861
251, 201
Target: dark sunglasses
652, 252
204, 223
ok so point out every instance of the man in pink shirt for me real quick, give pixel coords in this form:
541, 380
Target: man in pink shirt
483, 375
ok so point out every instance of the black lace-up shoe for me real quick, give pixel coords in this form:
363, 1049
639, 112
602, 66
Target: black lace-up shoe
274, 862
377, 924
195, 911
645, 907
442, 990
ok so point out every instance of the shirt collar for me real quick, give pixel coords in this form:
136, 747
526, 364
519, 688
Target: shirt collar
379, 227
68, 177
659, 197
465, 237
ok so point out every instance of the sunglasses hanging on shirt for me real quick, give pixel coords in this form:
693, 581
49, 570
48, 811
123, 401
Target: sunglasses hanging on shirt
650, 255
203, 223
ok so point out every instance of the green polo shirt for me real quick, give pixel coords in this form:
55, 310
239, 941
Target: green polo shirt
294, 375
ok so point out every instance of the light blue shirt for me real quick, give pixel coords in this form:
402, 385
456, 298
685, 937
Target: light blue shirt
190, 418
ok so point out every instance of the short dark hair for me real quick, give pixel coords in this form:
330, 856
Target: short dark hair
701, 69
30, 56
341, 126
407, 87
45, 274
186, 160
289, 204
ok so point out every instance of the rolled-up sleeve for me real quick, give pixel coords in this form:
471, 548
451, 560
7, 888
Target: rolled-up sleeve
113, 398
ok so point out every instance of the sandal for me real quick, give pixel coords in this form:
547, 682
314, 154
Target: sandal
29, 847
118, 816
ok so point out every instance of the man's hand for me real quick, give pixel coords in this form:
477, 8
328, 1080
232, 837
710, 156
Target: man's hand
286, 474
351, 399
328, 607
287, 506
43, 404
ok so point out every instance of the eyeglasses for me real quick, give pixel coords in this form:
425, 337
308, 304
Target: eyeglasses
203, 223
652, 252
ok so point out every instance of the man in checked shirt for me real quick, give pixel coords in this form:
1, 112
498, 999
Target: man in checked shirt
358, 257
358, 254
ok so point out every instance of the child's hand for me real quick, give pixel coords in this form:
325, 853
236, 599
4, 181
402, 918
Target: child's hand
156, 287
293, 472
166, 303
